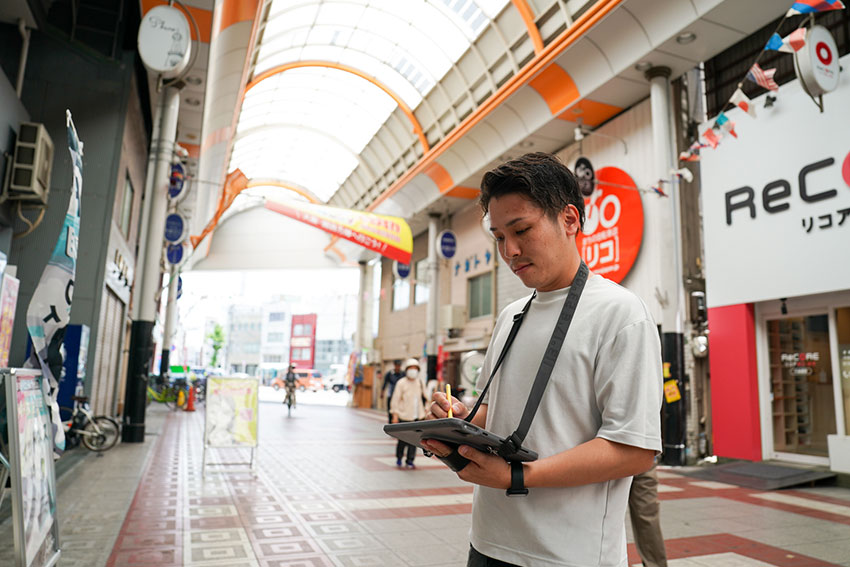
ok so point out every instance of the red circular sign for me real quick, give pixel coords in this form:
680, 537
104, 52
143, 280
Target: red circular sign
824, 53
845, 170
613, 229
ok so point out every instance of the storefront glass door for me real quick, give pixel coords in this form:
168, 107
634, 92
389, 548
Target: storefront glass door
842, 326
803, 411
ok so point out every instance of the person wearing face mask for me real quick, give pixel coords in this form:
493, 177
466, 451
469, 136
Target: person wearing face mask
407, 404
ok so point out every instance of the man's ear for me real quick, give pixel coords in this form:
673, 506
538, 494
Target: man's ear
571, 220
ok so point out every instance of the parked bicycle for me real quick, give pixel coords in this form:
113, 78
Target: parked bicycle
96, 432
173, 394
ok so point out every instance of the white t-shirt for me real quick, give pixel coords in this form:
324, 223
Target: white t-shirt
607, 382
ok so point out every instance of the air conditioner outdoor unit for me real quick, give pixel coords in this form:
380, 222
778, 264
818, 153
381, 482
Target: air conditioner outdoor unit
452, 316
29, 179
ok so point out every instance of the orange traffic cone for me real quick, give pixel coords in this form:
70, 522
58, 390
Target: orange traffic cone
190, 403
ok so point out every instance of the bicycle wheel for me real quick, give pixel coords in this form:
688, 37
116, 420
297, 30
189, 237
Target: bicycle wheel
104, 432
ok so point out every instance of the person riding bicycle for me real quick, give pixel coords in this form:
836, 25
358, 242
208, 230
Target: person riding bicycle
289, 382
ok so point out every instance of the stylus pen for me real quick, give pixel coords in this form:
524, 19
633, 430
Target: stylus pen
449, 397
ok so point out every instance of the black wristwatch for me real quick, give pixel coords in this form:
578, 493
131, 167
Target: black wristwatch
517, 481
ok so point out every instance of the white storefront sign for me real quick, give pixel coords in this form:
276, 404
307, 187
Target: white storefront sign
776, 200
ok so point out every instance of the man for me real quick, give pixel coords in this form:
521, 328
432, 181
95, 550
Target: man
407, 405
644, 512
597, 424
390, 380
289, 382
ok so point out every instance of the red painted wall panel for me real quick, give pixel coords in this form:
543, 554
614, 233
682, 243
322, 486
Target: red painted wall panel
734, 382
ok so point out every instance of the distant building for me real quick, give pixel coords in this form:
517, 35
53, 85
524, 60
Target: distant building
243, 338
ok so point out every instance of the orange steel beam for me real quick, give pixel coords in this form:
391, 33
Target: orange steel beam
417, 128
540, 62
527, 15
283, 185
572, 34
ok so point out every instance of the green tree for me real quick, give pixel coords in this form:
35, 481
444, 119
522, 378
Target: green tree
216, 337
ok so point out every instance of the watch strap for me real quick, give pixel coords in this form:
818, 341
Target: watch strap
517, 480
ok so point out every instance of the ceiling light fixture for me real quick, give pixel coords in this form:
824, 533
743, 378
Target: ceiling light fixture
685, 38
193, 80
192, 101
643, 66
526, 144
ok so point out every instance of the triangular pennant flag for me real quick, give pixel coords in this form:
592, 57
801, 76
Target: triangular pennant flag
745, 104
711, 137
726, 124
811, 6
795, 40
775, 44
763, 77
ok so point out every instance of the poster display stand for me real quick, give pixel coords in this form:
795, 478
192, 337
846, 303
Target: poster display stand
35, 526
230, 417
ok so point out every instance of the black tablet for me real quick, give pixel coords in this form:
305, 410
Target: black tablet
454, 432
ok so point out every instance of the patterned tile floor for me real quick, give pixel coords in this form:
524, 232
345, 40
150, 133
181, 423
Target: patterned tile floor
325, 492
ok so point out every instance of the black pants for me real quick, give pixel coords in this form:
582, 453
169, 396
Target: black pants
476, 559
401, 446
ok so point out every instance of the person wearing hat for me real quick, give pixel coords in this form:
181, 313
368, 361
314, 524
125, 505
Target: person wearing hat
407, 404
390, 380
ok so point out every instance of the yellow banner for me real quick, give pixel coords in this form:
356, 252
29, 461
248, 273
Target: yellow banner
386, 235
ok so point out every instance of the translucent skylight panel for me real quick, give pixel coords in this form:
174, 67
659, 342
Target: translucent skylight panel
339, 13
307, 126
294, 17
385, 74
307, 160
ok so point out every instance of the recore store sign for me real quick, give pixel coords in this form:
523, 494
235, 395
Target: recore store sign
776, 200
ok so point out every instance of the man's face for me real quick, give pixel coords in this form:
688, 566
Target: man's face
534, 246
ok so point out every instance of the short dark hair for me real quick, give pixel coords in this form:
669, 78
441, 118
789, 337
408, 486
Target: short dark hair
539, 177
397, 361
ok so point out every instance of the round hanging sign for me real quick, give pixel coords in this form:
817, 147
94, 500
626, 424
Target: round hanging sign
400, 270
164, 41
446, 244
175, 228
176, 181
817, 62
174, 253
179, 287
613, 227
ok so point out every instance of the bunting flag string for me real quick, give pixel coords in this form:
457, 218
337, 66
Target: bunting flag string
763, 77
812, 6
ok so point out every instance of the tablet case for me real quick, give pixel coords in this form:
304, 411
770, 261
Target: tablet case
454, 432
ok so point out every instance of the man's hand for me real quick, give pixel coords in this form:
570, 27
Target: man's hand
440, 407
483, 468
395, 419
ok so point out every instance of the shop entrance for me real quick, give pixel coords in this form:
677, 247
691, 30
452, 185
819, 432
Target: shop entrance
801, 384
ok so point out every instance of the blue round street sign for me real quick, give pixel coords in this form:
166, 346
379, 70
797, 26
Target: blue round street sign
176, 181
179, 286
446, 244
401, 270
175, 228
174, 253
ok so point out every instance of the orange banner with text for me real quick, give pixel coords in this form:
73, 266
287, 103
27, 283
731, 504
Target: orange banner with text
386, 235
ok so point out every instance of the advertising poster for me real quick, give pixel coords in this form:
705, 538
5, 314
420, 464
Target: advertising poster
8, 303
34, 481
231, 413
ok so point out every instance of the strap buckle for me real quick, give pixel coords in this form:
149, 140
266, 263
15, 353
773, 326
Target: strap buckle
510, 446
